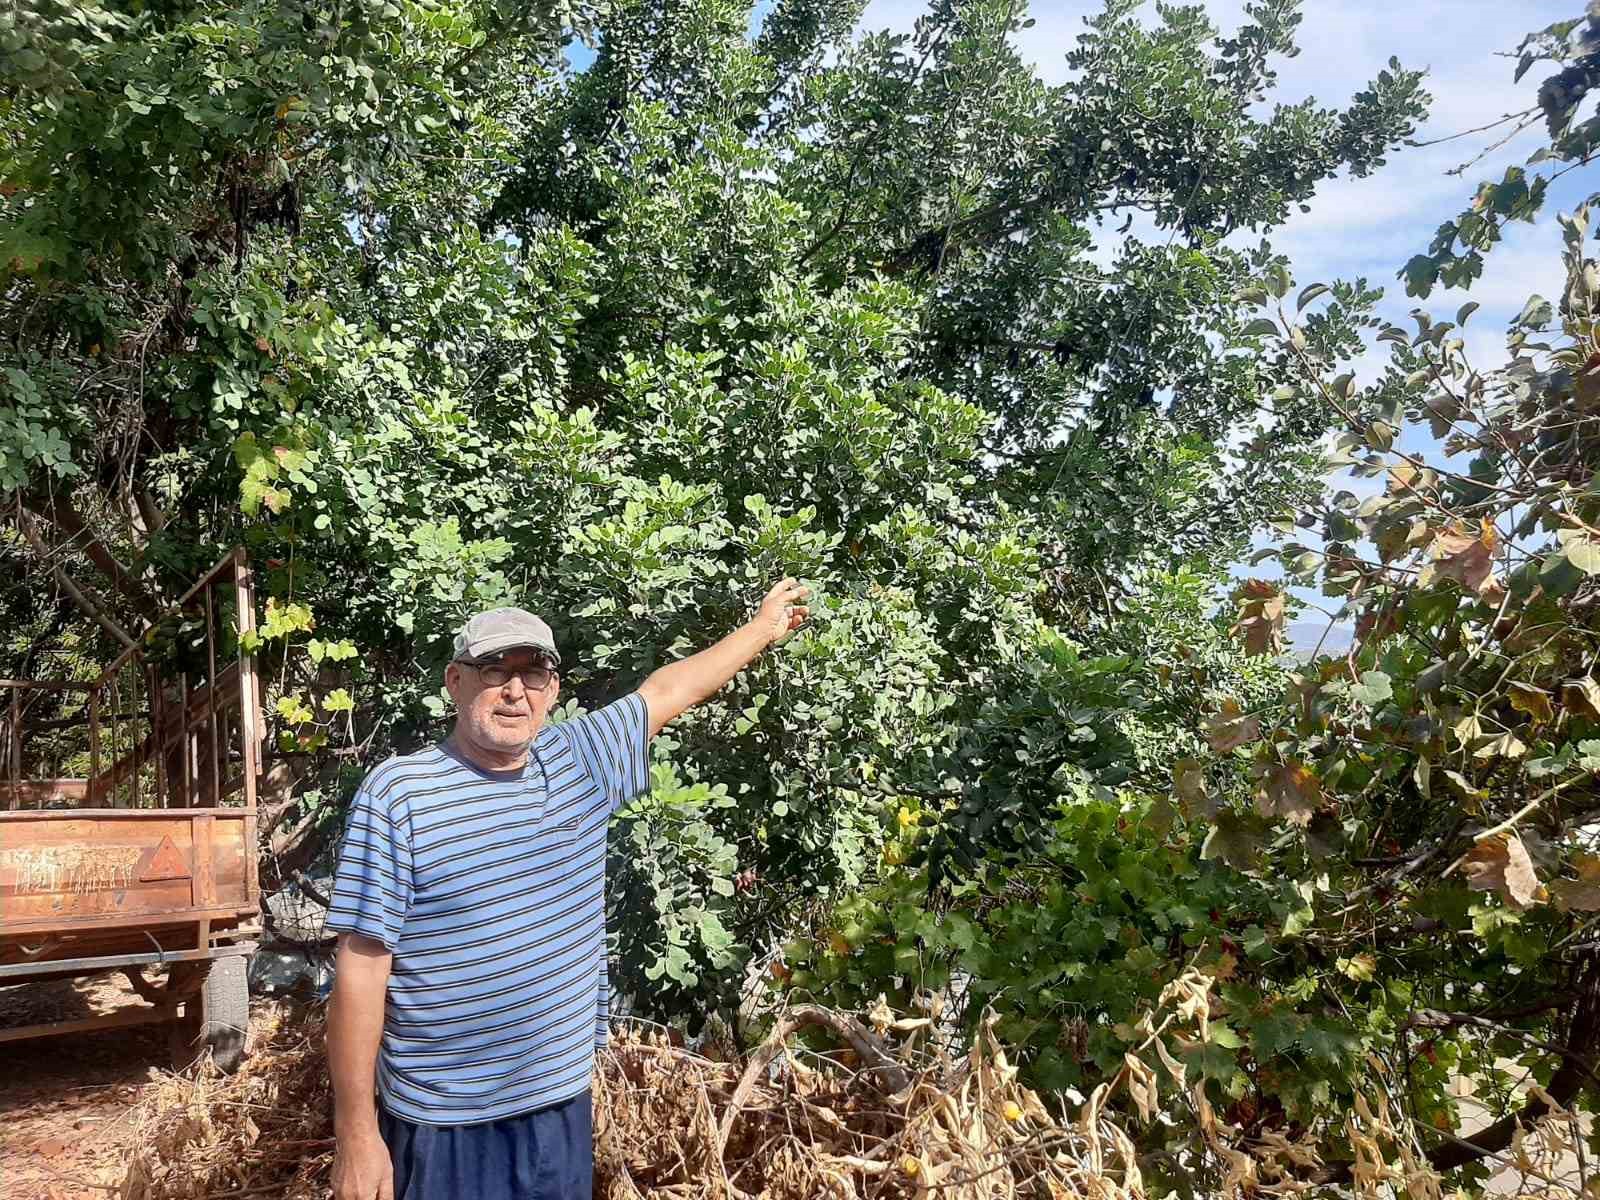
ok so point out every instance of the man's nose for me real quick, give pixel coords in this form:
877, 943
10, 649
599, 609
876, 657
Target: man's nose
514, 688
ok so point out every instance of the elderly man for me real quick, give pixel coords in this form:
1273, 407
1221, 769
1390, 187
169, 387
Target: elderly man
471, 973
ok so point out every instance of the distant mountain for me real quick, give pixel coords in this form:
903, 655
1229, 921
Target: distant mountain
1300, 638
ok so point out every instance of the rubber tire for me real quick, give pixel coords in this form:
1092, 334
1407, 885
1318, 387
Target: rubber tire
215, 1019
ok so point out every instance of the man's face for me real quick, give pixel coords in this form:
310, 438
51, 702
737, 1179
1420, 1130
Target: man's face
500, 718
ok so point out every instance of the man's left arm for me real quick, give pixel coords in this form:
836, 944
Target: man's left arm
685, 683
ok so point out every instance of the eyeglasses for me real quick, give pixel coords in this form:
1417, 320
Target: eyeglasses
498, 675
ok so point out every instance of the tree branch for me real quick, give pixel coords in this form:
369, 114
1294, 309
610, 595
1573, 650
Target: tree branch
92, 607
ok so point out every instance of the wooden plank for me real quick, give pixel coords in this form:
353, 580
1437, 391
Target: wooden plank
158, 720
205, 883
117, 814
121, 1019
211, 698
48, 791
162, 942
16, 747
94, 741
227, 564
175, 915
47, 685
187, 741
252, 856
250, 726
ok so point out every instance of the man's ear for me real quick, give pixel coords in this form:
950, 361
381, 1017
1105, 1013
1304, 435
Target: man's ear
452, 680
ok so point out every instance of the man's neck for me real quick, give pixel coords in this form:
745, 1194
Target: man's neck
486, 757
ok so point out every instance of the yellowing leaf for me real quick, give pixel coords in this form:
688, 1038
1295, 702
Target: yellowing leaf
1533, 701
1507, 745
1289, 790
1189, 785
1229, 729
1225, 968
294, 709
1501, 864
1582, 696
1360, 967
1576, 895
1260, 616
1465, 555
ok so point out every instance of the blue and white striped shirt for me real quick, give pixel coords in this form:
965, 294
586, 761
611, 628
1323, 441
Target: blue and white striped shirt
489, 888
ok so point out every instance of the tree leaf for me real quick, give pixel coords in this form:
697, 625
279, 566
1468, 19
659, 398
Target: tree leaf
1465, 555
1231, 841
1289, 790
1582, 696
1375, 687
1228, 729
1533, 701
1309, 293
1501, 864
1141, 1085
1189, 785
1583, 553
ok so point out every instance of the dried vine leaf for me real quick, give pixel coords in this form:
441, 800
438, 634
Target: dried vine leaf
1464, 555
1141, 1085
1289, 790
1582, 696
1260, 619
1533, 701
1501, 864
1189, 785
1228, 728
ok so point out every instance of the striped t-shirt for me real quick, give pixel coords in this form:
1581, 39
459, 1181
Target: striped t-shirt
488, 886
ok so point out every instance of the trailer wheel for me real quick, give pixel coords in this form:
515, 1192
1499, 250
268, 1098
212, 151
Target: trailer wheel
215, 1018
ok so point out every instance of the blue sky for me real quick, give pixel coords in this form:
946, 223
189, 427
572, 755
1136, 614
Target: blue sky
1370, 227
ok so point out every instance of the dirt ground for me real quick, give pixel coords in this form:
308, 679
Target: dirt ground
63, 1100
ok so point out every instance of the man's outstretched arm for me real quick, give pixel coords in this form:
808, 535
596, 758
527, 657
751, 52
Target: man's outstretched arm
683, 684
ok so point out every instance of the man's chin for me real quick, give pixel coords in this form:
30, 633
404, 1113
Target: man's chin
508, 737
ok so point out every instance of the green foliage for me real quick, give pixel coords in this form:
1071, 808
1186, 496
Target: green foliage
1438, 781
429, 320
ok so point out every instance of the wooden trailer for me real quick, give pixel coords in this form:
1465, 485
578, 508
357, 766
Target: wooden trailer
128, 824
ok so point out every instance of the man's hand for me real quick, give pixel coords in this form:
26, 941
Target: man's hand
362, 1169
781, 612
683, 684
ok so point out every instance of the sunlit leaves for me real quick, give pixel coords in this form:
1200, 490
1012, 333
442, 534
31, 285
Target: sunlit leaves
1501, 864
1465, 555
1261, 614
1289, 791
1229, 727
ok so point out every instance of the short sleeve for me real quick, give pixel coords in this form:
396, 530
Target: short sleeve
372, 885
613, 743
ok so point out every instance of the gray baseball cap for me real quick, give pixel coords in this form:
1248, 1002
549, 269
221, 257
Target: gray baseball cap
490, 634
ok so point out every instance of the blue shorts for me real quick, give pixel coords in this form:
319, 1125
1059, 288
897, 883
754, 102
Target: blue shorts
547, 1154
